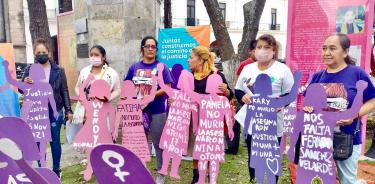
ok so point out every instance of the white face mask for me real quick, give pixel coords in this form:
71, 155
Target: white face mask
263, 55
95, 61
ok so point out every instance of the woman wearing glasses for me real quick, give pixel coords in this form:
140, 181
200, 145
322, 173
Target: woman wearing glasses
140, 73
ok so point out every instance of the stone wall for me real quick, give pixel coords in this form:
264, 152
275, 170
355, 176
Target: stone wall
15, 28
117, 25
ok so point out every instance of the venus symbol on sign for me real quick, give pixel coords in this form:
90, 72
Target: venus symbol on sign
111, 154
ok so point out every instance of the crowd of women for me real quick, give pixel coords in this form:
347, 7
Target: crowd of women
340, 69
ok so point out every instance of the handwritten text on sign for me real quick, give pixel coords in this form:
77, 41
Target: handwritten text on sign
133, 134
177, 132
261, 124
316, 145
211, 131
38, 116
290, 114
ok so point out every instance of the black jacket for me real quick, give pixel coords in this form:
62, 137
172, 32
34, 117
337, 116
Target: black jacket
57, 79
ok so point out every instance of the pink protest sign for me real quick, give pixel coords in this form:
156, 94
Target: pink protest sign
261, 117
99, 112
116, 164
209, 141
16, 150
175, 137
40, 93
316, 163
129, 116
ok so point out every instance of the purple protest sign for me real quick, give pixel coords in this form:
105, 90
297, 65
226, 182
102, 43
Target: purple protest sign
209, 141
175, 137
290, 115
129, 116
40, 93
17, 151
99, 111
176, 72
261, 117
116, 164
316, 161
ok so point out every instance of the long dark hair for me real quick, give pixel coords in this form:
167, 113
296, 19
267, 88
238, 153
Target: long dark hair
102, 51
143, 42
345, 44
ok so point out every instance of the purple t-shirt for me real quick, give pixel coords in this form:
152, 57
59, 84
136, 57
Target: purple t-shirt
341, 90
140, 73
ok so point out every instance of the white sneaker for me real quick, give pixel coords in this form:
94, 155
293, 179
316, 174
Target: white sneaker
160, 179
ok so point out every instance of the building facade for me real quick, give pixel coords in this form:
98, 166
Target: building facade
273, 20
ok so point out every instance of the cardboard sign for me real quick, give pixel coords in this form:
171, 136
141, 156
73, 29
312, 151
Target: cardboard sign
116, 164
209, 141
176, 72
40, 93
99, 112
316, 161
290, 115
175, 137
17, 151
129, 116
261, 117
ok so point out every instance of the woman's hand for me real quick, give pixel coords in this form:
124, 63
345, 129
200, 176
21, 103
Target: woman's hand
246, 99
170, 101
224, 88
308, 109
70, 117
344, 122
28, 80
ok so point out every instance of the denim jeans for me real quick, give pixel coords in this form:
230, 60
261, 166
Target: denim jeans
347, 169
56, 144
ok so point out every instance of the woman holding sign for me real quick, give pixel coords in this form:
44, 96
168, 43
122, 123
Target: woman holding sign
339, 79
141, 74
201, 62
56, 77
282, 81
99, 68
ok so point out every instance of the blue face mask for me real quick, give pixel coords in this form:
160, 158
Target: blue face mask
42, 58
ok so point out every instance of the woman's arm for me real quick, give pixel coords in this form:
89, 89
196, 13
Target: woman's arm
116, 91
224, 87
64, 92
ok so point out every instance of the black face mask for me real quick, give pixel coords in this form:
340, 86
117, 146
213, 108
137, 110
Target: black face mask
41, 58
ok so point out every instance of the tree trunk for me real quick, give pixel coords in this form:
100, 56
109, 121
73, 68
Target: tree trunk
167, 14
220, 29
252, 13
38, 20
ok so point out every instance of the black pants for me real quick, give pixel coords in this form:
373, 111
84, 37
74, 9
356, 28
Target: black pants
234, 145
252, 170
297, 149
